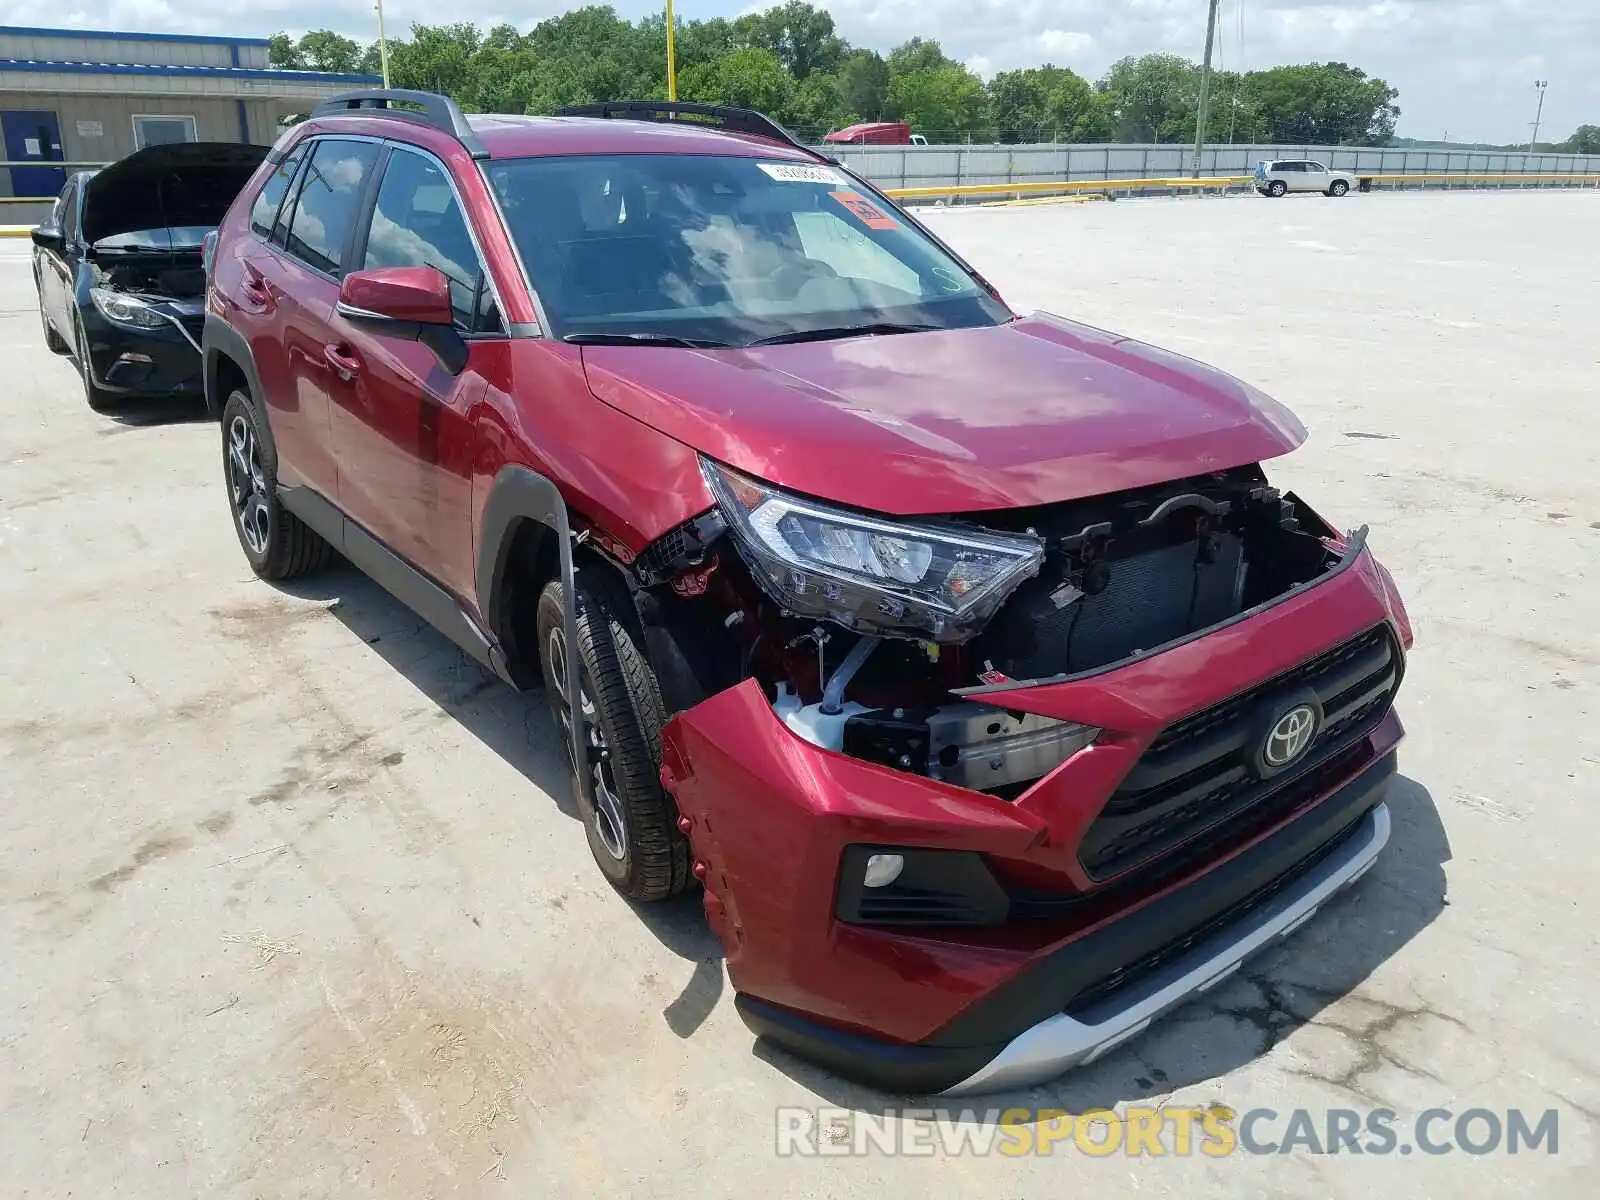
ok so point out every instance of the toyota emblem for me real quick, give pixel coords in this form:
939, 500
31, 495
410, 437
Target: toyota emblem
1290, 736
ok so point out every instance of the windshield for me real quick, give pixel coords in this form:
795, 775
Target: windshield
724, 250
178, 237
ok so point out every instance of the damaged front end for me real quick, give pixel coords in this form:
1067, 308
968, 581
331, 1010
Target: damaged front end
915, 761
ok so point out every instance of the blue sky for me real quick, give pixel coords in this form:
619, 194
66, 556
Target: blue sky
1463, 67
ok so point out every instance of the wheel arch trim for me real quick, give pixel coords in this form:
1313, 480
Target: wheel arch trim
519, 494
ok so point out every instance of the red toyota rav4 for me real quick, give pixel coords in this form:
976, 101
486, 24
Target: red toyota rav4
968, 661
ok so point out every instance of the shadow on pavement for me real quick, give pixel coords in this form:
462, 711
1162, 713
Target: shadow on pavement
518, 728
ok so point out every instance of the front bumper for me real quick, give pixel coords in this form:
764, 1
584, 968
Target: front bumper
1245, 907
770, 817
144, 362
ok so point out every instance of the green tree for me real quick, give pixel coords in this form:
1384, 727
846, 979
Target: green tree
800, 37
324, 50
1585, 139
945, 103
1047, 103
748, 78
1153, 98
282, 51
1321, 103
864, 80
918, 54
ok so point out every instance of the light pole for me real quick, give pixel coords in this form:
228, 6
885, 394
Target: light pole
1537, 112
1205, 87
383, 44
672, 66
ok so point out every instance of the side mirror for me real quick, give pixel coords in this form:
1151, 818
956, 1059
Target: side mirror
48, 238
406, 302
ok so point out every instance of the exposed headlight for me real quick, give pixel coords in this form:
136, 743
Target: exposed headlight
939, 581
124, 309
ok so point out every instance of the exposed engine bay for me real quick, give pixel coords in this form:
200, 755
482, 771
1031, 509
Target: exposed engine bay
1105, 580
154, 278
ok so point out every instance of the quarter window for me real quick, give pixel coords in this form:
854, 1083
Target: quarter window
417, 222
329, 200
264, 212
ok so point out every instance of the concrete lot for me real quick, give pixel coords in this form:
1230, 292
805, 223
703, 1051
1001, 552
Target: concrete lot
292, 902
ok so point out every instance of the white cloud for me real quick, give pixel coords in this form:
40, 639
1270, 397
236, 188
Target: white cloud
1466, 66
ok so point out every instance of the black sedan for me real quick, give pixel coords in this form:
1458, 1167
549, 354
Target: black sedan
119, 272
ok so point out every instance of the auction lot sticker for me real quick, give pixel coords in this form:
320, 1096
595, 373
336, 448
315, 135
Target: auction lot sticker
865, 211
801, 173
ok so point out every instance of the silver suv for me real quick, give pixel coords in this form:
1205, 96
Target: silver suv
1301, 175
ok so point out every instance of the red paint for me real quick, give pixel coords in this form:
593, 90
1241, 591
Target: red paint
1036, 411
418, 294
1033, 412
779, 857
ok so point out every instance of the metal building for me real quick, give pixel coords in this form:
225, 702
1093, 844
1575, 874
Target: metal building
89, 97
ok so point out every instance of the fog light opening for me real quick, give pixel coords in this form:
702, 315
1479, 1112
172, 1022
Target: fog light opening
882, 870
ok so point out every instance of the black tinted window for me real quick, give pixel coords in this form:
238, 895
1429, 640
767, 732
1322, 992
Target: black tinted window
264, 212
325, 211
417, 222
66, 213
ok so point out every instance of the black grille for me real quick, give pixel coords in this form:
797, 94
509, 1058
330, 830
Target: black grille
1199, 774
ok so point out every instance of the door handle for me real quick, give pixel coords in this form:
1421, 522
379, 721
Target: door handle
346, 367
257, 292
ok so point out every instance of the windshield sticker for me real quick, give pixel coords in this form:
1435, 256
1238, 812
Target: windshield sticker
865, 211
801, 173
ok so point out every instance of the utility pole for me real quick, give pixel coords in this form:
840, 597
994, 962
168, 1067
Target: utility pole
672, 66
1205, 88
1537, 112
383, 44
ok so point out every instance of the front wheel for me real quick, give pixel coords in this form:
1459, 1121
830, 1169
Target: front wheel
1277, 188
277, 543
632, 823
97, 397
53, 341
1338, 187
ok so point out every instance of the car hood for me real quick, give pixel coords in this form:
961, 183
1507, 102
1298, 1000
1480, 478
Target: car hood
165, 187
1035, 411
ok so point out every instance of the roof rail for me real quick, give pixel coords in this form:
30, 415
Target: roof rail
426, 108
714, 116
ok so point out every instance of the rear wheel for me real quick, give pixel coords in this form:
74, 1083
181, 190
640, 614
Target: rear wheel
632, 823
276, 542
1277, 188
1338, 187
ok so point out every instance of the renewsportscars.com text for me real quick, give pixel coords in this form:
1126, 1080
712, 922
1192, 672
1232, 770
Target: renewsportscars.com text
1215, 1132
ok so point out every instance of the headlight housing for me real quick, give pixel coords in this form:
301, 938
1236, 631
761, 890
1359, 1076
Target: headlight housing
938, 581
123, 309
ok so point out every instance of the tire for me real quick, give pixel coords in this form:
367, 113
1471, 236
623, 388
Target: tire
1277, 188
278, 544
96, 396
632, 828
1338, 188
53, 341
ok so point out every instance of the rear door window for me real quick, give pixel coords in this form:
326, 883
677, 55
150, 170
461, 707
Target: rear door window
264, 212
329, 202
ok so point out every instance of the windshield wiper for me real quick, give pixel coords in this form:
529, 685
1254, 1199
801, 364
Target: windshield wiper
840, 331
642, 339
